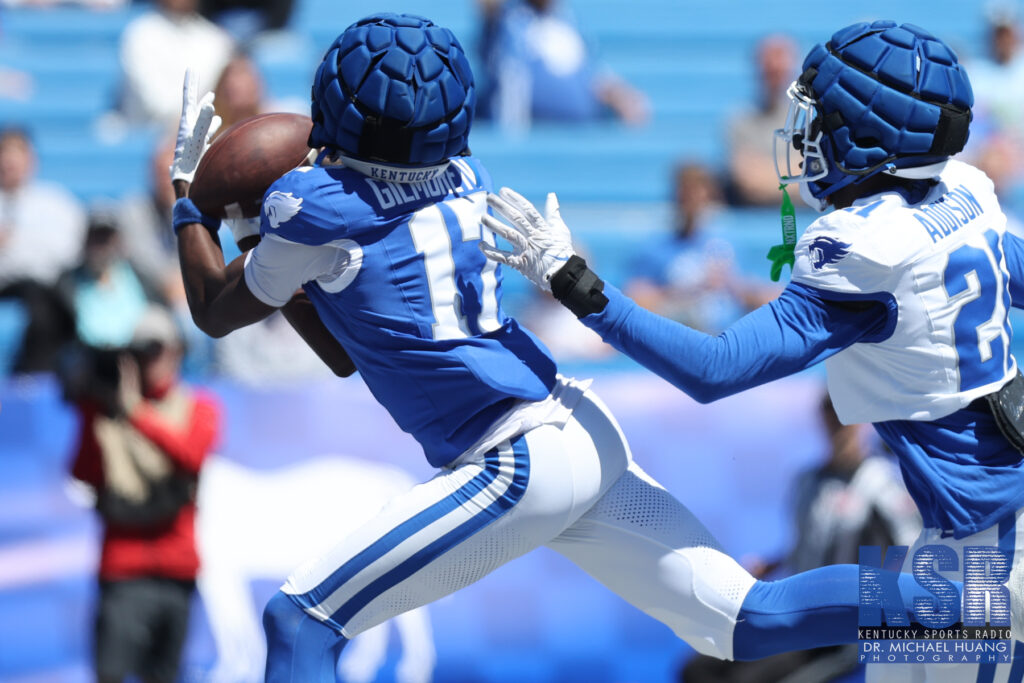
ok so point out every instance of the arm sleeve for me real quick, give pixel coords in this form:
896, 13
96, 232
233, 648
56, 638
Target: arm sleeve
277, 268
792, 333
1013, 248
188, 447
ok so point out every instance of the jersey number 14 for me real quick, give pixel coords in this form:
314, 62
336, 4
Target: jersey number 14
439, 232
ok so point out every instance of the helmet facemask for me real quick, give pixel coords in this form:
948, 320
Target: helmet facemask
799, 156
801, 148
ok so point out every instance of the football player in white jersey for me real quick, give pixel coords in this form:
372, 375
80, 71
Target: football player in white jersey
382, 234
902, 290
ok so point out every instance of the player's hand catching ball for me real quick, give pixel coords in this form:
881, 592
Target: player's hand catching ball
541, 245
197, 125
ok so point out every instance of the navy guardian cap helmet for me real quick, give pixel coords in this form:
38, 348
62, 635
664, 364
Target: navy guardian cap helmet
877, 97
394, 88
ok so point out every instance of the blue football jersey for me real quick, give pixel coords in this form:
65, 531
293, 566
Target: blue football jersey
395, 272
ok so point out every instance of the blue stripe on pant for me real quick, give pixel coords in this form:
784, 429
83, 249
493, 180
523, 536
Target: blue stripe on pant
423, 557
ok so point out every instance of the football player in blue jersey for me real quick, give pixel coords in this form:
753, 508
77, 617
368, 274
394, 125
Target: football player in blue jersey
382, 235
903, 289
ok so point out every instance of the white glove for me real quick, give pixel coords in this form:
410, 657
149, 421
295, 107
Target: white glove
197, 125
243, 227
541, 245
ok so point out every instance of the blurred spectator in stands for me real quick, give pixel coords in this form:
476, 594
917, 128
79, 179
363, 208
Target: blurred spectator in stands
15, 84
41, 231
141, 447
103, 291
490, 12
538, 68
689, 274
998, 78
854, 497
145, 224
156, 47
239, 92
246, 19
999, 158
750, 133
997, 132
91, 4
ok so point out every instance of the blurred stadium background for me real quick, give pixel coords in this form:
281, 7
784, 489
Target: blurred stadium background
539, 619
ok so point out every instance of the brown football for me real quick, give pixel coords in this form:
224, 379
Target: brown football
245, 160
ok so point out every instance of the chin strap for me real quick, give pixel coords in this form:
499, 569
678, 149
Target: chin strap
926, 172
782, 254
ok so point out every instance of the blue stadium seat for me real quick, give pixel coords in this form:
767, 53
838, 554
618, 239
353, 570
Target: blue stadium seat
693, 62
54, 26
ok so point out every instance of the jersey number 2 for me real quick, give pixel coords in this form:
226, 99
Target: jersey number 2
975, 285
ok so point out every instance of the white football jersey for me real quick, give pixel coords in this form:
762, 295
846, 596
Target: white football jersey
939, 267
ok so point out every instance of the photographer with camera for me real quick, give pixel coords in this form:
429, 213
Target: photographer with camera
144, 437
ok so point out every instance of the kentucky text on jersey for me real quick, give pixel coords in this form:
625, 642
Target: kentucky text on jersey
403, 176
945, 216
393, 194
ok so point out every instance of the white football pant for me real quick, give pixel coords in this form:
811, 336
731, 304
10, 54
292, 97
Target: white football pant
570, 486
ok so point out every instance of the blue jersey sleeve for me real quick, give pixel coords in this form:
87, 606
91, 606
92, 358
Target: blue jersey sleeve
1013, 248
313, 205
792, 333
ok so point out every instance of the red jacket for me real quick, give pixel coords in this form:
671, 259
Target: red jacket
169, 549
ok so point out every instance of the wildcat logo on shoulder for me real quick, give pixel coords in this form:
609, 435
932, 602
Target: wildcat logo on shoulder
826, 250
281, 207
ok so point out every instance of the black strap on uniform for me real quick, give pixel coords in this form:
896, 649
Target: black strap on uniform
578, 288
1007, 406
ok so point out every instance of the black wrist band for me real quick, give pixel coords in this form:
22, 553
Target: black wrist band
578, 288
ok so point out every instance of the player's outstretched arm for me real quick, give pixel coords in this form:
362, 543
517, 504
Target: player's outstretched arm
800, 328
218, 297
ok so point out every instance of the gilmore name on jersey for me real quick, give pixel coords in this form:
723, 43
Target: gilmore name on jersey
395, 273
